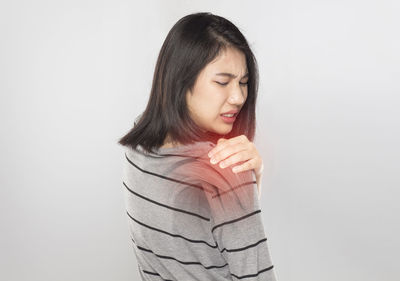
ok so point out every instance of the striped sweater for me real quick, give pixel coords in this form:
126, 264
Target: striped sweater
192, 220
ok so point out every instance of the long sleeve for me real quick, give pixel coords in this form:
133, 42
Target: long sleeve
236, 223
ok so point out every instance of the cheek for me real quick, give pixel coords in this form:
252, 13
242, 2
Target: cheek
211, 98
207, 110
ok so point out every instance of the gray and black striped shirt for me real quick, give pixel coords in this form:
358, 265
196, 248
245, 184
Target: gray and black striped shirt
191, 220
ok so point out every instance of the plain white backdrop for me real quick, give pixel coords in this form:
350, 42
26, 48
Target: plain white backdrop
75, 74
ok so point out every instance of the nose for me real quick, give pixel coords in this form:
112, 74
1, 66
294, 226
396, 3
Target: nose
237, 96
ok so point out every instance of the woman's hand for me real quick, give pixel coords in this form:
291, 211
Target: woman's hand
238, 149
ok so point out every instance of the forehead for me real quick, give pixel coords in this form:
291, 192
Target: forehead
230, 60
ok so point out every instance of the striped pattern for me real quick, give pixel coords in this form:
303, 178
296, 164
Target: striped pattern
191, 220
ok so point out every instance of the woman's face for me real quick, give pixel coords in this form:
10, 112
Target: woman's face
209, 99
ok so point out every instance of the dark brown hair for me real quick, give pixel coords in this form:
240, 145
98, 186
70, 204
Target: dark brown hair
193, 42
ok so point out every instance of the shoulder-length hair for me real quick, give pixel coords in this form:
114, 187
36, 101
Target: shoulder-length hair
193, 42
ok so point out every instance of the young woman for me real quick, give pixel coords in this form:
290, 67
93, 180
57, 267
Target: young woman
192, 174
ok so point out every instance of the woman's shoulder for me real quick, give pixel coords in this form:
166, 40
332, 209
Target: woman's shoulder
222, 178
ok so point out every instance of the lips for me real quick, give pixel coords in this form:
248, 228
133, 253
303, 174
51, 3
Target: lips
234, 115
234, 111
228, 119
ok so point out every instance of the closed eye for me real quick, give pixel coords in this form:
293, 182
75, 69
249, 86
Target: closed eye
224, 84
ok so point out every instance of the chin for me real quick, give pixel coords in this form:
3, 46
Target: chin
224, 130
220, 129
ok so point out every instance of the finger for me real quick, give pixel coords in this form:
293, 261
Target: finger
223, 143
221, 140
244, 167
226, 152
234, 158
260, 170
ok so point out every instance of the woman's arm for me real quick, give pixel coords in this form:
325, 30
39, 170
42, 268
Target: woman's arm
236, 222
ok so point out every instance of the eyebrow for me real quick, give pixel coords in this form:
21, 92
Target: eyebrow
231, 75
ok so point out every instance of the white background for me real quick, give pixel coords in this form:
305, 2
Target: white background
75, 74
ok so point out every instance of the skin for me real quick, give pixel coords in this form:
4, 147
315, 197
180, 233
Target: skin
209, 99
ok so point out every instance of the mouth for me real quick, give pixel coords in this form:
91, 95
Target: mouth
228, 118
230, 114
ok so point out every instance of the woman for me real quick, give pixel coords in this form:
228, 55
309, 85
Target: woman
192, 216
